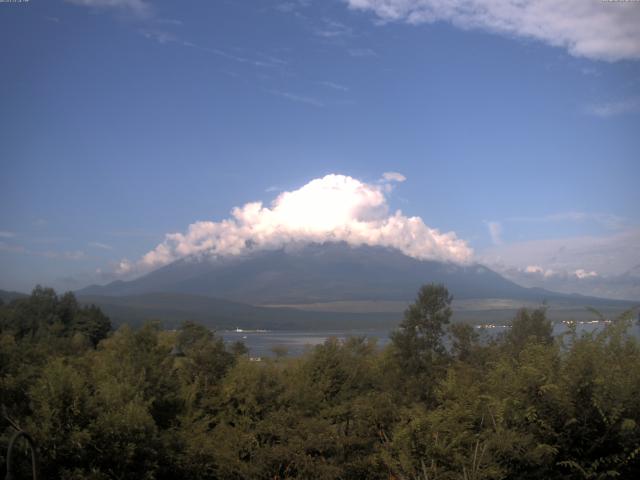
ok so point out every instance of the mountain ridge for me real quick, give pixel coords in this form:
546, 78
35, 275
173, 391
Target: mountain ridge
173, 309
325, 272
8, 296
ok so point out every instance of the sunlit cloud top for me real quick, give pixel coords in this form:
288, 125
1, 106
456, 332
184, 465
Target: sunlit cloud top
335, 208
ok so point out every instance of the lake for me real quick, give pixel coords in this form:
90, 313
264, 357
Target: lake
260, 342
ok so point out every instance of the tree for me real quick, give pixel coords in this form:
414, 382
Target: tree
417, 344
424, 320
239, 349
464, 340
280, 351
91, 322
530, 328
46, 317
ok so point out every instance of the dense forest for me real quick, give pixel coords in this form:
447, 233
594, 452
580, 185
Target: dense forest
148, 403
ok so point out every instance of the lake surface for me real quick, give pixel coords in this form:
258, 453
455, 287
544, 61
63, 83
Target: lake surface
261, 343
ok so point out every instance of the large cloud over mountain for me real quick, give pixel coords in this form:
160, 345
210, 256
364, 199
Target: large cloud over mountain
596, 29
331, 208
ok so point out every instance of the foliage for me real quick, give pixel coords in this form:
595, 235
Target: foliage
417, 344
437, 403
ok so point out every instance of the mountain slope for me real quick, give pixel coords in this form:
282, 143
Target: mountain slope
174, 308
8, 296
328, 272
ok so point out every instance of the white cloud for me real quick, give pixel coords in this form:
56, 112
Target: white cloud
393, 177
124, 267
610, 109
606, 254
495, 231
625, 285
333, 29
7, 234
586, 28
139, 8
537, 270
161, 36
603, 266
582, 273
331, 208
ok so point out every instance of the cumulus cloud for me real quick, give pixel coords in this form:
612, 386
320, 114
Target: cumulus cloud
623, 286
393, 177
124, 267
537, 270
595, 265
582, 273
596, 29
332, 208
606, 254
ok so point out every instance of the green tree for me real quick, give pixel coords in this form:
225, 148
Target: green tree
530, 327
464, 340
239, 349
417, 344
92, 323
46, 316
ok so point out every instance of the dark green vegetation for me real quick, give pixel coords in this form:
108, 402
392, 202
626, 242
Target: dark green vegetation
145, 403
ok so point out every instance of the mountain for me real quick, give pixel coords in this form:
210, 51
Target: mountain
624, 286
7, 296
174, 308
321, 273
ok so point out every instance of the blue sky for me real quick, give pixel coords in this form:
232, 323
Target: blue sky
124, 120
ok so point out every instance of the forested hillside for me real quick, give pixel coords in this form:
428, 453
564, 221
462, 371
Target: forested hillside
152, 404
